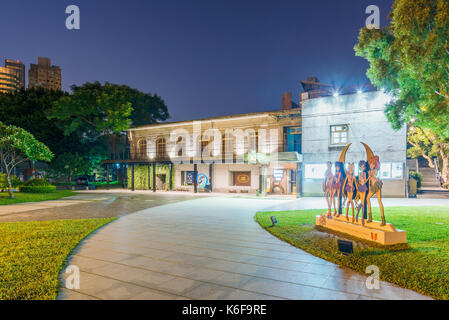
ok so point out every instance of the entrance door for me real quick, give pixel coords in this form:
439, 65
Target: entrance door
161, 182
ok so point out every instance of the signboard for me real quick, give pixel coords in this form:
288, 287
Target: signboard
242, 179
202, 180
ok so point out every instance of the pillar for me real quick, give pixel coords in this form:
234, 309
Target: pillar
211, 175
263, 181
195, 178
171, 177
298, 180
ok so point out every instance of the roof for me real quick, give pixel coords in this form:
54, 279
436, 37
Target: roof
228, 117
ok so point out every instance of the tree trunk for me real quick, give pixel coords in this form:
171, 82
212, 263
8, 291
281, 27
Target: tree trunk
429, 160
445, 169
8, 177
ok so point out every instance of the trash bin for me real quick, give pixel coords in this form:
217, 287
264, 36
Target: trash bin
412, 188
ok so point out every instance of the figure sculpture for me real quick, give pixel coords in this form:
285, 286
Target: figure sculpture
362, 189
350, 190
375, 184
327, 188
339, 179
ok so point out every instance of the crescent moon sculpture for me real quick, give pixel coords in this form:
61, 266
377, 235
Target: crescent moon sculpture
369, 152
343, 154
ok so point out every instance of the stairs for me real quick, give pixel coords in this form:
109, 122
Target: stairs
429, 179
430, 186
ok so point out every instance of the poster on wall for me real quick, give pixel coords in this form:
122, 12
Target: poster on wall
242, 179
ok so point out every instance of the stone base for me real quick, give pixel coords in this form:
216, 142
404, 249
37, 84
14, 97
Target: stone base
385, 235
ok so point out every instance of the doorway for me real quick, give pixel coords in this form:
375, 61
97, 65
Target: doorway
161, 182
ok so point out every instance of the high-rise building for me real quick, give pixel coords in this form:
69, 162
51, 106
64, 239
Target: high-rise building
44, 75
19, 67
9, 80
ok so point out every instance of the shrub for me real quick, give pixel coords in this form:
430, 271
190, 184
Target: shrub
417, 176
37, 186
4, 183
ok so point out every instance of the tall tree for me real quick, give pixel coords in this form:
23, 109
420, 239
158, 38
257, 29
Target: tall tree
27, 109
95, 110
410, 60
16, 146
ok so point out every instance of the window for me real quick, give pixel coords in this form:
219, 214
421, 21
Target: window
142, 149
391, 170
339, 134
292, 139
242, 179
187, 178
160, 148
315, 171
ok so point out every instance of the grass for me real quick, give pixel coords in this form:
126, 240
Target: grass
33, 253
20, 197
421, 265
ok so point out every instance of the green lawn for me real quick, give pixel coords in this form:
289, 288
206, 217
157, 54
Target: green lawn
20, 197
421, 265
33, 253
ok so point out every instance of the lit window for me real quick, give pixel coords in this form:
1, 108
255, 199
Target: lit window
339, 134
315, 171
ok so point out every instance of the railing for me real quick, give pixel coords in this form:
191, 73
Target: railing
436, 163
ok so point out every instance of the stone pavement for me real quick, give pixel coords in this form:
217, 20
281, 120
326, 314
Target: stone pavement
209, 248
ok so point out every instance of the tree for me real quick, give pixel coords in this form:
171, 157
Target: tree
423, 144
26, 109
18, 145
95, 110
410, 60
70, 165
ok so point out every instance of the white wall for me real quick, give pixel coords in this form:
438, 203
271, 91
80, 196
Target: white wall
364, 113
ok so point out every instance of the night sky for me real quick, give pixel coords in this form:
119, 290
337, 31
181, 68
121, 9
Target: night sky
203, 57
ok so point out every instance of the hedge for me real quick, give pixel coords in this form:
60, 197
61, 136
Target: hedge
37, 186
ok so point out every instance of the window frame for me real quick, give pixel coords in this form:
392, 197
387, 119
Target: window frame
331, 134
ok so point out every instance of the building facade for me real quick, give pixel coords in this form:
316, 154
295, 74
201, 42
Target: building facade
330, 123
9, 80
280, 152
44, 75
19, 68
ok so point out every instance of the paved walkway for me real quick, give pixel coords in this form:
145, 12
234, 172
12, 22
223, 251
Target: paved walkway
209, 248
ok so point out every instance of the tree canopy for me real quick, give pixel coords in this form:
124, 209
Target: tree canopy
410, 59
94, 109
18, 145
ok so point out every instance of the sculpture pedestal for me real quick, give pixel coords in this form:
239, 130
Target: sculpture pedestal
385, 235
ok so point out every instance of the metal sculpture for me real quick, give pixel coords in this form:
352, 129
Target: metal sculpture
339, 179
350, 190
327, 188
344, 184
375, 184
362, 190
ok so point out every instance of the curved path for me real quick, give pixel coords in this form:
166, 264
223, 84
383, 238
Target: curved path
209, 248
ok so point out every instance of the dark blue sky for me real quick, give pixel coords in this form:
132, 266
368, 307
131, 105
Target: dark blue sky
204, 57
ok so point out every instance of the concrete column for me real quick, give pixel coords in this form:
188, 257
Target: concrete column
298, 180
195, 178
211, 175
263, 181
171, 177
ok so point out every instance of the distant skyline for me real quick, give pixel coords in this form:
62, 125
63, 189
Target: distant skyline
204, 58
